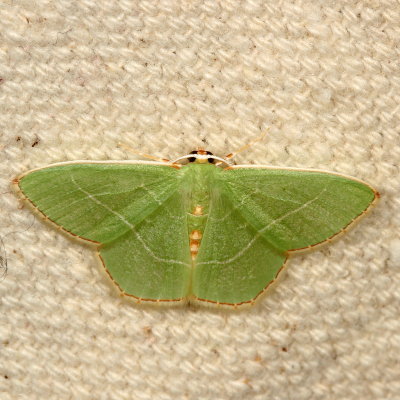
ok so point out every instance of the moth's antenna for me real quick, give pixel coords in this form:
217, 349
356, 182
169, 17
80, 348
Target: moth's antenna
247, 146
134, 151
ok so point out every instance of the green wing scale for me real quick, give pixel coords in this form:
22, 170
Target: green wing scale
197, 231
262, 214
131, 211
152, 260
295, 209
234, 263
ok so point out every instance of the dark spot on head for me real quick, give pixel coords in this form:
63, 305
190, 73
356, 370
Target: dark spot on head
211, 160
192, 159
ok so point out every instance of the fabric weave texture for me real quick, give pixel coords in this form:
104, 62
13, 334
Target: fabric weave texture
166, 77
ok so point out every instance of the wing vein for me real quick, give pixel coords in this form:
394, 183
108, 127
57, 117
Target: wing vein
126, 222
261, 231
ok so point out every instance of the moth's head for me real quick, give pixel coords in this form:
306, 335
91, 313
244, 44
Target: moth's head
201, 157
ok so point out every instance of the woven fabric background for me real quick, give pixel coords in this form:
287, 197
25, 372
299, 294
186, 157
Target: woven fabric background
165, 76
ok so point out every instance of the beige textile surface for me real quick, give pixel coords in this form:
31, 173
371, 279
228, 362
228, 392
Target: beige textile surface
77, 77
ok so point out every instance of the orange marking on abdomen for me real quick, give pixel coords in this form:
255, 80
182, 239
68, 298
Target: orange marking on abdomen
198, 210
196, 234
195, 239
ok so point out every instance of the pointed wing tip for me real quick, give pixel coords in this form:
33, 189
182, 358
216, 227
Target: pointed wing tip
36, 211
375, 199
15, 183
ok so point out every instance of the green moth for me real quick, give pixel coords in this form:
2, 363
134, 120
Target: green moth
197, 228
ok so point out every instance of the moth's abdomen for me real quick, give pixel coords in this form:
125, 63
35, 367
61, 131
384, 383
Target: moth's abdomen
195, 239
196, 224
199, 177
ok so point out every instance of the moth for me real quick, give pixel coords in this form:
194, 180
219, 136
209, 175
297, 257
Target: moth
197, 228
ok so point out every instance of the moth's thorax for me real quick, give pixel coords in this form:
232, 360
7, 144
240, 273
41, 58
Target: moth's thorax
200, 178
